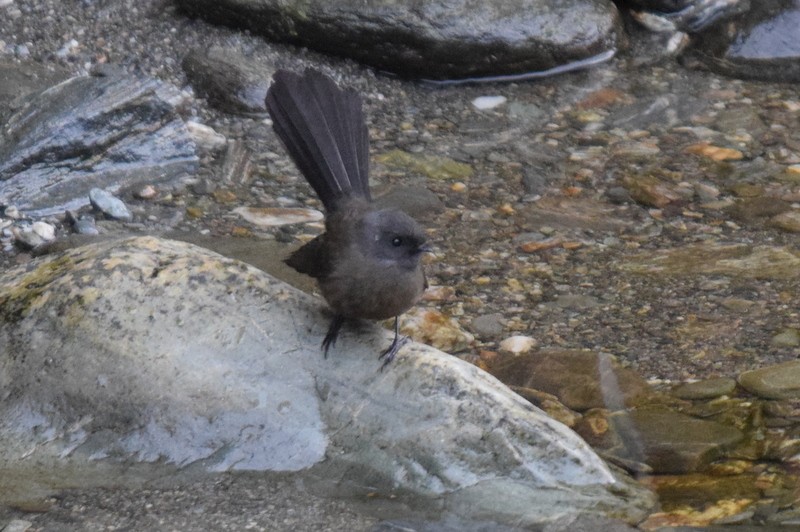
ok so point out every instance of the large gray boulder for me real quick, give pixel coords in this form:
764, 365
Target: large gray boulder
438, 40
151, 350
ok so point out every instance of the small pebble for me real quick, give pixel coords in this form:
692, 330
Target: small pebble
44, 230
517, 345
110, 205
206, 137
484, 103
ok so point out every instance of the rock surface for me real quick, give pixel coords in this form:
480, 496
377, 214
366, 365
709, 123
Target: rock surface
110, 131
154, 350
459, 39
762, 44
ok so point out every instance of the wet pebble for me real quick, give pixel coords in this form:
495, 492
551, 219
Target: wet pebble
483, 103
788, 221
488, 325
787, 338
205, 136
705, 389
276, 216
435, 328
517, 344
781, 381
17, 525
109, 205
46, 231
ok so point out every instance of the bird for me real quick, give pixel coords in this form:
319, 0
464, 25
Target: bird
367, 263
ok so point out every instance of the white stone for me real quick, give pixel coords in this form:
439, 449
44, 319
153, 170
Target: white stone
274, 216
517, 344
484, 103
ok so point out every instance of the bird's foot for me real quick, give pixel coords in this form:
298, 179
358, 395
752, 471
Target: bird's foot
332, 334
397, 343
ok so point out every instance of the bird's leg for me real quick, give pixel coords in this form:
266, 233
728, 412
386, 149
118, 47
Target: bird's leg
333, 333
397, 343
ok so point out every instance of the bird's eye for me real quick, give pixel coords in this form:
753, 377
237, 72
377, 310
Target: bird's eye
397, 241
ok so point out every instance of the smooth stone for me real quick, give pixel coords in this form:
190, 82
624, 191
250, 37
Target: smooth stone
581, 380
457, 39
484, 103
789, 221
205, 137
110, 205
157, 351
761, 44
489, 325
713, 258
786, 338
705, 389
781, 381
671, 442
276, 216
517, 344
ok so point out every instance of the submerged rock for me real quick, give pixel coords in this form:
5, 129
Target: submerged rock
112, 132
459, 39
153, 350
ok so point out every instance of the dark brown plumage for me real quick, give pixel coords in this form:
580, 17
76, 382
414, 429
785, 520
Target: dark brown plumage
367, 262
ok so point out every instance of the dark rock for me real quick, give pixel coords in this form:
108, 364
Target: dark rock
761, 45
111, 132
457, 39
706, 389
581, 380
228, 79
671, 442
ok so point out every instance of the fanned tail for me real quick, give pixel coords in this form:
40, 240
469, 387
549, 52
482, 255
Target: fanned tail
323, 129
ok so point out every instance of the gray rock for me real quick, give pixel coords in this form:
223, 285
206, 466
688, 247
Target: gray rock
110, 205
670, 442
457, 39
762, 44
19, 79
228, 79
686, 15
705, 389
489, 325
781, 381
111, 132
153, 350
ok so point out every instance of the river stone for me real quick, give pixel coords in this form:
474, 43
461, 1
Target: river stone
762, 44
154, 350
718, 258
455, 39
112, 131
781, 381
705, 389
670, 442
580, 379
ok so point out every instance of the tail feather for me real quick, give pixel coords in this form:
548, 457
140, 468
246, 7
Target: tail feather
323, 129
